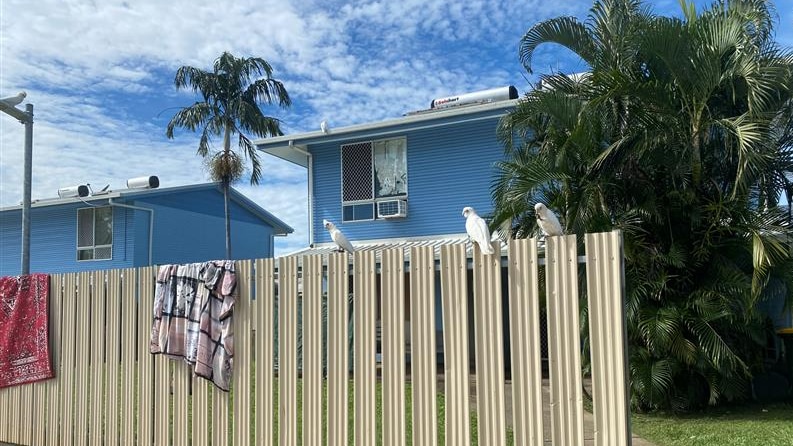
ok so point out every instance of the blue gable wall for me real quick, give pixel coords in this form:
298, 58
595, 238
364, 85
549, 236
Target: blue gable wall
449, 167
189, 227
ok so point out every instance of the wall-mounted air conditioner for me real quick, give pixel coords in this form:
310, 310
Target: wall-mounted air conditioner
392, 209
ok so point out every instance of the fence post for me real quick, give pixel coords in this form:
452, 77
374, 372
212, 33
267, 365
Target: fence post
564, 340
607, 328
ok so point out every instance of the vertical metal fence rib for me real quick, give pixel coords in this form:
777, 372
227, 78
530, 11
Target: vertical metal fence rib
423, 347
524, 322
241, 379
393, 346
56, 339
605, 291
364, 289
564, 340
338, 349
82, 356
67, 372
454, 289
162, 398
112, 356
489, 347
287, 349
312, 350
97, 323
182, 375
128, 318
145, 358
265, 299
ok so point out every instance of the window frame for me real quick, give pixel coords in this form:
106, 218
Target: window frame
375, 199
93, 246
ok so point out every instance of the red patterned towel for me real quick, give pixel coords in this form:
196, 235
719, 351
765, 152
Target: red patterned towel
24, 334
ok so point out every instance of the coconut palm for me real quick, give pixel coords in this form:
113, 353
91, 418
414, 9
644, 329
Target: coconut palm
679, 135
232, 94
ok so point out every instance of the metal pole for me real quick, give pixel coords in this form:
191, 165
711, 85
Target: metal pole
28, 170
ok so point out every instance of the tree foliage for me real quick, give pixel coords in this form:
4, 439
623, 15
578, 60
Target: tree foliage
679, 135
231, 98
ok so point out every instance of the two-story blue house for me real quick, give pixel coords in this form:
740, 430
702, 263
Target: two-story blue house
141, 225
404, 180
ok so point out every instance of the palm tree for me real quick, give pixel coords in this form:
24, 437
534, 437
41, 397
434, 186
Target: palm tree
232, 93
679, 135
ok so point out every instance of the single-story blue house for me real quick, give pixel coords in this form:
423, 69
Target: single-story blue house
141, 225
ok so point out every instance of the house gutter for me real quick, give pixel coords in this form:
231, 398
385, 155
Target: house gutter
151, 221
310, 158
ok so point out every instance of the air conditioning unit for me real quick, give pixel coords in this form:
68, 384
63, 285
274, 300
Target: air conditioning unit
392, 209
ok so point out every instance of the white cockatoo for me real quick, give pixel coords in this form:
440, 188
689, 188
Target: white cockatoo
337, 237
547, 220
15, 100
324, 127
477, 230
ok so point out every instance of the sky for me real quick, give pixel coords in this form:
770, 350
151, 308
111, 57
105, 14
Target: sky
100, 75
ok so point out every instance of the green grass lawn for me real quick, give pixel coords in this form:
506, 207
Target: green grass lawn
766, 425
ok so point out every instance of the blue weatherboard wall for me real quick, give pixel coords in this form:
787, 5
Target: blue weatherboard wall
189, 227
449, 167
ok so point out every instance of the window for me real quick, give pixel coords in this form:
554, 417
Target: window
372, 171
95, 233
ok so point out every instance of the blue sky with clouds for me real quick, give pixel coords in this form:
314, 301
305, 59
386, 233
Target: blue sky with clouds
100, 75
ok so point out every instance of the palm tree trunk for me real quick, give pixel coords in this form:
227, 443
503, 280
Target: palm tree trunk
226, 183
228, 218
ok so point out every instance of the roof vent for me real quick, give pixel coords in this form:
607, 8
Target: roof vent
80, 190
151, 182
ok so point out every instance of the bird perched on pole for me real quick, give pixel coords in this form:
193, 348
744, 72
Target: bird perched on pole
15, 100
338, 238
547, 220
477, 230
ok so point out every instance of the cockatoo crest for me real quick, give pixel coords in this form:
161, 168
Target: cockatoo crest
477, 230
338, 238
547, 221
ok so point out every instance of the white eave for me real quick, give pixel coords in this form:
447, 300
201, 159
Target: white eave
284, 146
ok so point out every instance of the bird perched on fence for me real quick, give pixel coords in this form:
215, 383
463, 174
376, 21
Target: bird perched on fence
477, 230
547, 220
338, 238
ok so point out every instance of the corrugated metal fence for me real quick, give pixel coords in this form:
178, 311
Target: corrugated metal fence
110, 390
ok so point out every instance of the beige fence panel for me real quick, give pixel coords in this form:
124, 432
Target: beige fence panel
454, 289
338, 349
97, 352
146, 400
564, 344
393, 346
365, 292
56, 338
312, 350
113, 356
605, 291
287, 349
265, 299
128, 345
241, 373
489, 347
422, 345
524, 322
67, 372
82, 353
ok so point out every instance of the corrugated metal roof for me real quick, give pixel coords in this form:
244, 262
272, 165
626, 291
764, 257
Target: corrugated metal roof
404, 244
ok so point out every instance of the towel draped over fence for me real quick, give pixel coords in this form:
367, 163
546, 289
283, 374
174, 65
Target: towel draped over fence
193, 307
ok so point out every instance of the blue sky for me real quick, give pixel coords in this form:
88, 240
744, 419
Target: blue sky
100, 75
